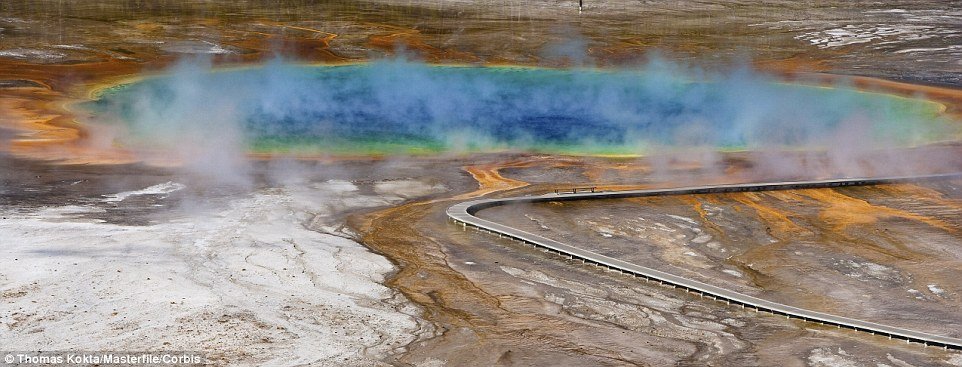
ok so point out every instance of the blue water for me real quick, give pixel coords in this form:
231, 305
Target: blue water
391, 107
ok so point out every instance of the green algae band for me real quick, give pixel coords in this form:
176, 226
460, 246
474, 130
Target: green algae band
408, 108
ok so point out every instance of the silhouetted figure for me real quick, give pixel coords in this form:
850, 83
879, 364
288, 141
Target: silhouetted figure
581, 5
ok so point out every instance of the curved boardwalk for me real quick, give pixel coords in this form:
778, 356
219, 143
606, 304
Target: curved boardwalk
463, 213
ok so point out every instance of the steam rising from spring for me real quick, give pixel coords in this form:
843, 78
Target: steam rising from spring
400, 107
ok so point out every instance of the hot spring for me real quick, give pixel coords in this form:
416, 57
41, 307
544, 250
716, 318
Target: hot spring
408, 108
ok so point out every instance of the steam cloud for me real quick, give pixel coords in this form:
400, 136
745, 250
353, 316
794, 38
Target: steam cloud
210, 119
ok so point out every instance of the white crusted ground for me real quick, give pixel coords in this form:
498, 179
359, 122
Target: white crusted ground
248, 284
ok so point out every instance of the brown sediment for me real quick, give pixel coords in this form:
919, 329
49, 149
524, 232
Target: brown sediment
406, 40
769, 266
388, 231
490, 179
845, 227
479, 323
325, 41
762, 263
794, 65
922, 193
780, 225
468, 316
840, 218
635, 168
697, 203
841, 211
45, 130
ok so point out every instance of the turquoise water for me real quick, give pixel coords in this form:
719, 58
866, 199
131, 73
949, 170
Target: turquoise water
404, 108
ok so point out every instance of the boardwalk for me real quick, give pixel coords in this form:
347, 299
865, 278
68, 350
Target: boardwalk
463, 213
